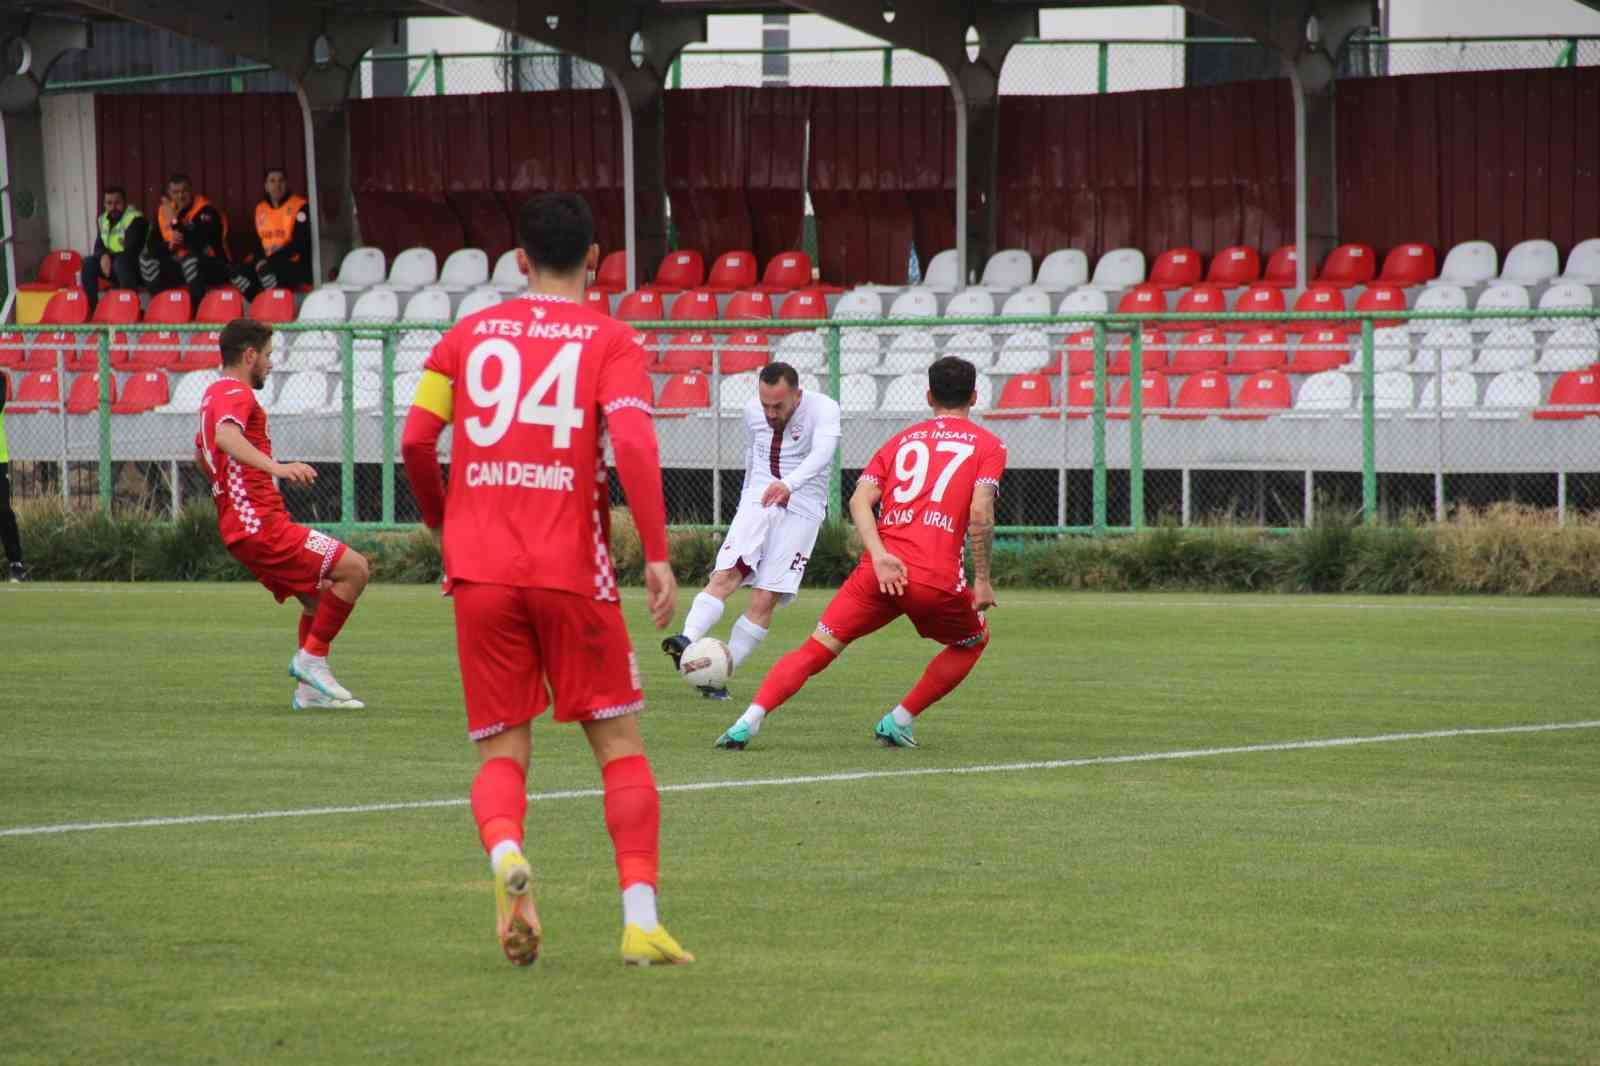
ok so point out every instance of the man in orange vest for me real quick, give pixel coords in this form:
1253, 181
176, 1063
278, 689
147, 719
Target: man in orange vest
283, 228
189, 245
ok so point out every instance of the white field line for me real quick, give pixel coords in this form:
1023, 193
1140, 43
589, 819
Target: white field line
1311, 603
812, 779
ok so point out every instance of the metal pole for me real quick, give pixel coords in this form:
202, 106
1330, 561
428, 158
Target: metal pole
888, 67
1136, 430
677, 71
1561, 497
1099, 417
61, 414
1438, 451
716, 436
177, 489
1369, 428
347, 473
1061, 415
103, 362
387, 407
438, 75
1184, 518
836, 478
1103, 73
1310, 498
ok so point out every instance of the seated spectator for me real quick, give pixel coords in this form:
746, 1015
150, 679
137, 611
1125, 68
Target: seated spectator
115, 258
283, 229
190, 245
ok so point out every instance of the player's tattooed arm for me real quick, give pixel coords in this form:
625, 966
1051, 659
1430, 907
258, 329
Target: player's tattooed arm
980, 541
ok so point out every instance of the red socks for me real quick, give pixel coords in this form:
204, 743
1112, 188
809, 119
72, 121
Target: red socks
305, 628
500, 801
948, 669
633, 817
791, 672
325, 624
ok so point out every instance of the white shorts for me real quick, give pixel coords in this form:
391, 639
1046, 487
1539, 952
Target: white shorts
771, 546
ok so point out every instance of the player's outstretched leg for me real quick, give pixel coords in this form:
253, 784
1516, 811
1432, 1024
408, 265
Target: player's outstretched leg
787, 676
500, 806
704, 612
346, 580
947, 670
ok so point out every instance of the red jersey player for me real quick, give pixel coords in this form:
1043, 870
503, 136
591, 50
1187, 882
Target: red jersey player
532, 388
290, 560
936, 482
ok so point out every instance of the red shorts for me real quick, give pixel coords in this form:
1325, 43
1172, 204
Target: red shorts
513, 642
289, 559
859, 608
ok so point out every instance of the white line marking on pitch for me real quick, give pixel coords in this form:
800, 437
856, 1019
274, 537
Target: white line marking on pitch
1313, 605
814, 779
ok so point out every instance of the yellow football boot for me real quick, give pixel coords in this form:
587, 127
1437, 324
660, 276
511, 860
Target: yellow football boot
516, 920
653, 948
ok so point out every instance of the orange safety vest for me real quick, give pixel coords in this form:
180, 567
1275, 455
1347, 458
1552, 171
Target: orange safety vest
168, 219
275, 225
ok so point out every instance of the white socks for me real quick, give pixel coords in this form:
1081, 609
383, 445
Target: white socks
639, 906
746, 637
703, 614
752, 717
503, 848
902, 717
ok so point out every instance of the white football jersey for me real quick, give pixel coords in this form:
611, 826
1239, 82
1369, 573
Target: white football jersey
800, 454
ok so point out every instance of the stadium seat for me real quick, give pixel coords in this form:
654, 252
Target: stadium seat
270, 305
1029, 302
1408, 265
84, 355
1282, 268
427, 305
1502, 296
943, 273
731, 272
1008, 269
906, 394
859, 303
640, 306
1507, 348
678, 272
1022, 391
744, 351
1469, 263
803, 305
1201, 300
1266, 391
1572, 347
304, 391
1207, 389
1448, 346
405, 389
911, 349
1198, 351
1392, 390
70, 308
412, 269
595, 300
174, 306
479, 300
1175, 268
915, 303
1349, 265
190, 391
201, 351
1330, 390
1564, 296
1391, 349
1118, 269
1509, 395
611, 277
84, 396
858, 393
1531, 262
970, 303
1084, 301
373, 306
749, 305
1078, 352
381, 305
786, 272
1258, 350
361, 268
1258, 299
1234, 267
739, 390
803, 351
51, 351
1583, 263
975, 346
13, 350
151, 351
1023, 352
1440, 296
1382, 297
464, 270
1460, 392
1079, 400
697, 306
144, 391
221, 306
1063, 269
1153, 353
119, 307
57, 270
858, 351
1155, 396
323, 305
1316, 298
1143, 299
508, 278
37, 393
686, 353
367, 396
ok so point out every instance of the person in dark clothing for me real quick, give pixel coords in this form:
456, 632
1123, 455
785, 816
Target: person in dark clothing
8, 518
189, 245
115, 258
283, 231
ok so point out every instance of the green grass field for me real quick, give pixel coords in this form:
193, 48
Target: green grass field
1422, 900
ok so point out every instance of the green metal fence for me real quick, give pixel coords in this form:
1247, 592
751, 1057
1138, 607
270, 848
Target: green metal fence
1086, 462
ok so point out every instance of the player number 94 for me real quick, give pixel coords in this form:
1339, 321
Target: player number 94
506, 400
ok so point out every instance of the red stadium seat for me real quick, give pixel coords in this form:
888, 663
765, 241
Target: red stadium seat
731, 272
201, 351
786, 272
45, 351
1281, 266
1142, 299
1022, 390
13, 350
1382, 297
679, 271
1079, 400
1156, 395
612, 277
38, 392
150, 351
58, 270
173, 307
1409, 264
271, 305
640, 307
1205, 390
597, 300
1153, 355
1267, 391
1203, 349
744, 351
1258, 299
1349, 265
682, 394
686, 353
1233, 267
1078, 351
1175, 268
85, 356
1202, 300
70, 308
698, 306
143, 392
805, 304
1318, 297
1573, 387
1260, 349
1326, 349
85, 395
749, 305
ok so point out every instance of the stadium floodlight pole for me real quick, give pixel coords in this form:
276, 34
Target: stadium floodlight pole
1099, 428
103, 373
347, 472
1369, 428
1136, 428
387, 402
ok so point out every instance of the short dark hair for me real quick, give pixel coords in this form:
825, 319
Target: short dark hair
119, 190
265, 174
773, 373
180, 178
240, 334
556, 231
952, 381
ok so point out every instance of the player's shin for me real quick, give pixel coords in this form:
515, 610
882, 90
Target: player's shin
305, 627
633, 818
500, 804
790, 673
745, 638
703, 614
332, 611
947, 670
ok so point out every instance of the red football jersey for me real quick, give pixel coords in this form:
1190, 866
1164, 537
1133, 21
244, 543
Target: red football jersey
928, 474
532, 381
245, 497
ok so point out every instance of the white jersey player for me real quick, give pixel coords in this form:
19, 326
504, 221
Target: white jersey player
790, 440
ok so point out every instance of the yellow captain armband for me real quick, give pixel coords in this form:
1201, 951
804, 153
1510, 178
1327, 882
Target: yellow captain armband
435, 394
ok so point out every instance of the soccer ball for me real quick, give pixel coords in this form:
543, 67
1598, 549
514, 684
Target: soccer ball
706, 662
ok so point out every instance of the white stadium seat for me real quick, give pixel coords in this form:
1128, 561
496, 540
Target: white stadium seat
1531, 263
975, 346
1391, 348
1564, 296
915, 303
361, 268
858, 351
858, 392
1460, 393
1502, 296
970, 303
1583, 264
507, 278
1330, 390
911, 349
479, 300
464, 269
414, 268
1120, 268
859, 303
324, 305
943, 273
1007, 269
803, 351
1063, 269
1509, 394
1572, 347
1437, 297
1469, 263
189, 391
1449, 345
1085, 301
808, 383
1507, 348
375, 305
1392, 391
368, 394
906, 394
405, 387
1023, 352
737, 390
1029, 301
304, 392
428, 305
317, 349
